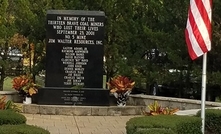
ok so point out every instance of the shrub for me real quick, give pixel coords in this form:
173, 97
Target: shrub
212, 120
22, 129
166, 123
11, 117
155, 131
189, 126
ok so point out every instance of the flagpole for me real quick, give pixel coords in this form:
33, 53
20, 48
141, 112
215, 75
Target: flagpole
203, 92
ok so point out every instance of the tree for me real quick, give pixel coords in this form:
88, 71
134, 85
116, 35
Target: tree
7, 31
117, 32
31, 19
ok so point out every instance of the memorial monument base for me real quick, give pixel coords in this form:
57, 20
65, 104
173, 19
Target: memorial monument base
70, 96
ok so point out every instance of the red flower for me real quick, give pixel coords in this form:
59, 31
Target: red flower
24, 85
19, 82
120, 84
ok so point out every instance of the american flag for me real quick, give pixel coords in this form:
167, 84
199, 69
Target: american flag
198, 28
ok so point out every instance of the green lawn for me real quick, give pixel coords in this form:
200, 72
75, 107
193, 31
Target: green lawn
104, 81
8, 84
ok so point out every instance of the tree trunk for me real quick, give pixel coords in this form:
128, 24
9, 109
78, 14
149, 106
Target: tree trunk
34, 71
148, 82
3, 75
4, 66
1, 84
147, 86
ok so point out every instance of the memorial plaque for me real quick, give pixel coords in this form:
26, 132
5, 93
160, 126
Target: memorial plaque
67, 96
74, 52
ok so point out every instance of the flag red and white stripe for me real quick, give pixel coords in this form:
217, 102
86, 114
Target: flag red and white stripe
198, 28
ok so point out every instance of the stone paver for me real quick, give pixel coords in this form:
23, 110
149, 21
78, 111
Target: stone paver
60, 124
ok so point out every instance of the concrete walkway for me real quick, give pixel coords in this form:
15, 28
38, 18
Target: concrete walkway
60, 124
192, 111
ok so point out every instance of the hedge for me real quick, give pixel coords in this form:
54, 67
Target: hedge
22, 129
167, 123
155, 131
212, 120
11, 117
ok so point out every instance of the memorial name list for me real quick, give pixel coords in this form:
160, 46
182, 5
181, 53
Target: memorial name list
74, 49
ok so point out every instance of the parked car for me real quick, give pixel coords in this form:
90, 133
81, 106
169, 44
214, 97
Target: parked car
15, 61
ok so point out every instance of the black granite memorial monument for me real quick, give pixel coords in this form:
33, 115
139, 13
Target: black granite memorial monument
74, 59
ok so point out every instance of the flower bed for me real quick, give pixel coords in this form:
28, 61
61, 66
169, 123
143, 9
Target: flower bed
121, 87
